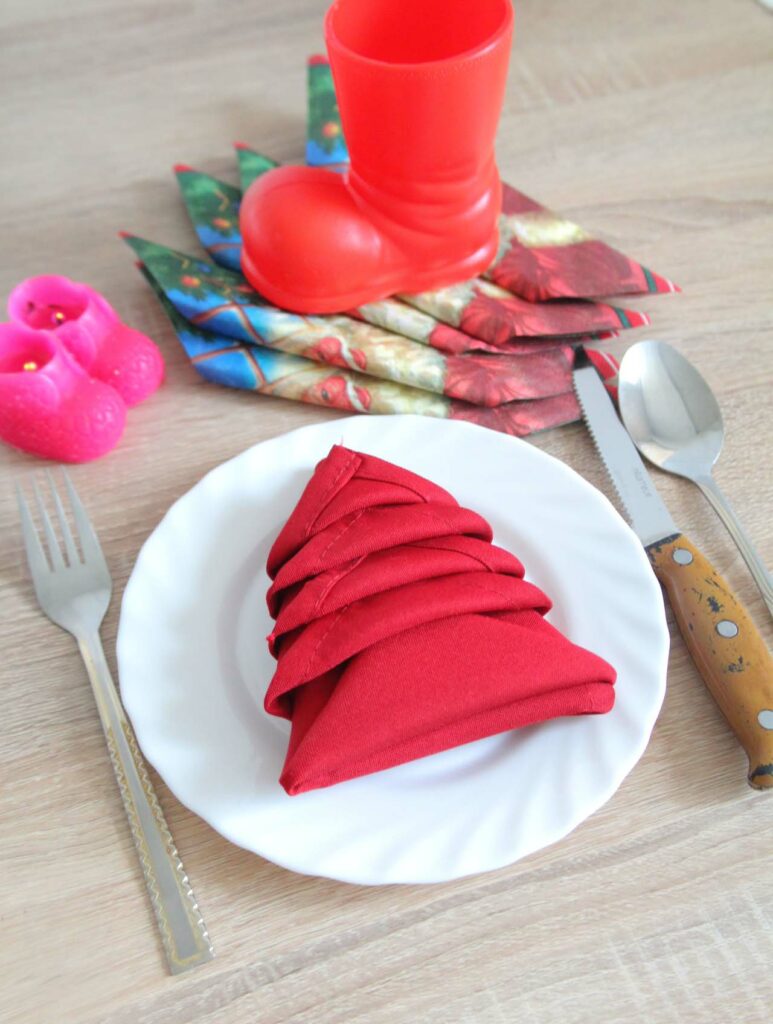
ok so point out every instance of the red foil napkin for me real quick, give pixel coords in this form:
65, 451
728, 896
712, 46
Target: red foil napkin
542, 255
401, 630
495, 315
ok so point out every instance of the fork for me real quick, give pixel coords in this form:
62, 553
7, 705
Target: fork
75, 592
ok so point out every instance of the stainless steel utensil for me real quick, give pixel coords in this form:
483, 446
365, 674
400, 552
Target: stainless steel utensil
675, 422
726, 646
74, 588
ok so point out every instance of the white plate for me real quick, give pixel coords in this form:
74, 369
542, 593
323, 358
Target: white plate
194, 665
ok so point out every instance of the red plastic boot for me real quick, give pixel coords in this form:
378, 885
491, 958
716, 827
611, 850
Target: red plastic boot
420, 85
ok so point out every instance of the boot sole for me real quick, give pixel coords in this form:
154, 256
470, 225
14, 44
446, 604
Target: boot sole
449, 274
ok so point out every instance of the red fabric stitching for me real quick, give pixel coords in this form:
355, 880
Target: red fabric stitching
325, 498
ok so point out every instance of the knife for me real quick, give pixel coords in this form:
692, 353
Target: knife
727, 648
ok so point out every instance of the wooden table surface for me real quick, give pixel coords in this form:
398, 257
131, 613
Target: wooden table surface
650, 122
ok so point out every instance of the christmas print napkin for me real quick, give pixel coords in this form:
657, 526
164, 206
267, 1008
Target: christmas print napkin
544, 256
267, 371
220, 301
213, 207
325, 146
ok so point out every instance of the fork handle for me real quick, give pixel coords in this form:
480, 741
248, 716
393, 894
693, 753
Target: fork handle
184, 936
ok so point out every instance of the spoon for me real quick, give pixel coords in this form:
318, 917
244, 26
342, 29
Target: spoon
675, 422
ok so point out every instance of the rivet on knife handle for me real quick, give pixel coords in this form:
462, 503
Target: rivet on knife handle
725, 645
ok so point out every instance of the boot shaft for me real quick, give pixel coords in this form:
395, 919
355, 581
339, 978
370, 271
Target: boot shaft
420, 85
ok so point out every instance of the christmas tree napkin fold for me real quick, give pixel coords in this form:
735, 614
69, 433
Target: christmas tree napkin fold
325, 146
401, 630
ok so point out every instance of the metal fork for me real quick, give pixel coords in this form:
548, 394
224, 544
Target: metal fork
75, 592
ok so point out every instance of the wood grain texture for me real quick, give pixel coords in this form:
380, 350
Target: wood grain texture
725, 644
649, 122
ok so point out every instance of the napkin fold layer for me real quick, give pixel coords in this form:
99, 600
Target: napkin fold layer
213, 207
325, 146
266, 371
221, 302
251, 164
496, 315
544, 256
401, 630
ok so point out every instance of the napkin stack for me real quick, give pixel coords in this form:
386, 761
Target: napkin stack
494, 355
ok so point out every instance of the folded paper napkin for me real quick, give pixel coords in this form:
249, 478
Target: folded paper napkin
221, 302
266, 371
401, 630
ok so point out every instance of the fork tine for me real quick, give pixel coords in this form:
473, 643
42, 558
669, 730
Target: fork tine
88, 538
54, 551
72, 552
36, 558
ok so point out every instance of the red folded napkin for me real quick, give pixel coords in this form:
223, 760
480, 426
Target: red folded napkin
401, 630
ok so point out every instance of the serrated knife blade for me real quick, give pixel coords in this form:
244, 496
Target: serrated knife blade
649, 516
726, 646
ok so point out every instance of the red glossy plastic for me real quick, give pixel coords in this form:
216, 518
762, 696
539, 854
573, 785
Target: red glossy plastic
90, 329
420, 88
49, 406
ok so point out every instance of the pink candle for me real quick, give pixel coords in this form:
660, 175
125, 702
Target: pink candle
49, 406
90, 329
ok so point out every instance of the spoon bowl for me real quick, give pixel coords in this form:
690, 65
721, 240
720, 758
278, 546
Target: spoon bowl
669, 410
676, 423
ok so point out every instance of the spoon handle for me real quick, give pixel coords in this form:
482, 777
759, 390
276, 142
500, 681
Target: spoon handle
725, 512
729, 651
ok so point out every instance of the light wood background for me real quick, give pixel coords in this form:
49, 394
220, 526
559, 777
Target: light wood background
649, 121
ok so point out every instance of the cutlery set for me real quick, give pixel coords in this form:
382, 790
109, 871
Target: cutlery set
726, 646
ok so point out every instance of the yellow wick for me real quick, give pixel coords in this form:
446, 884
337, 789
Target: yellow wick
30, 366
59, 317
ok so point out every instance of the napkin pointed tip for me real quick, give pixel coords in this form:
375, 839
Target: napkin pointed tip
659, 284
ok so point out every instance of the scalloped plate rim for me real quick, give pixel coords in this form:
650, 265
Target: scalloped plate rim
376, 432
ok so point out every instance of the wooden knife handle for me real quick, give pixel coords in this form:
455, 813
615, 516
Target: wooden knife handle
726, 646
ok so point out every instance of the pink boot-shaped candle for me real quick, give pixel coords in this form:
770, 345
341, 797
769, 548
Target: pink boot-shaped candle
49, 406
90, 328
